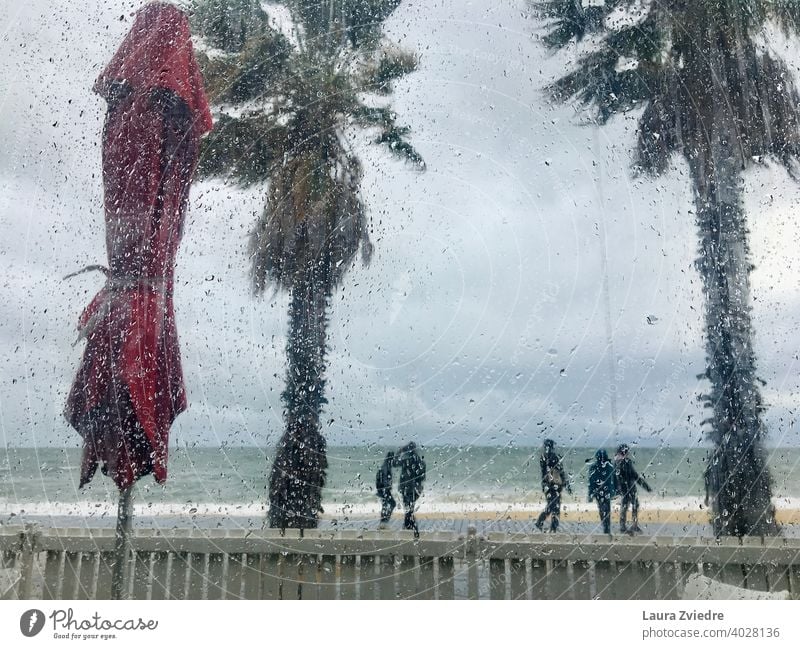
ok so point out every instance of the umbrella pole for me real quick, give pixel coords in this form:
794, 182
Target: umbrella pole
122, 542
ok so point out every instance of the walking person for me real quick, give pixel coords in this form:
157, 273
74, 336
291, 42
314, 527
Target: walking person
383, 485
626, 479
554, 481
601, 487
412, 477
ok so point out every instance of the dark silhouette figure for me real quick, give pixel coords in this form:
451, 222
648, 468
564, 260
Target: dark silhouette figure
601, 487
626, 478
383, 485
412, 477
554, 480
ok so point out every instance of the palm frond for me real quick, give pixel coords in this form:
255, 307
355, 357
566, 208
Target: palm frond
391, 64
785, 13
334, 24
568, 20
660, 61
365, 19
300, 101
217, 72
243, 149
391, 135
227, 24
381, 116
597, 83
314, 217
394, 138
657, 135
620, 75
260, 63
770, 112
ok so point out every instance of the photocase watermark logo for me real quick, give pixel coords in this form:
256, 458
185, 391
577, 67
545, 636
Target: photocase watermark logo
31, 622
69, 626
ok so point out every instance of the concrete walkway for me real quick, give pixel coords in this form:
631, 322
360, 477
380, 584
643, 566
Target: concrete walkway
483, 524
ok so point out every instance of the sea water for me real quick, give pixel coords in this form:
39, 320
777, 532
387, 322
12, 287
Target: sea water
233, 480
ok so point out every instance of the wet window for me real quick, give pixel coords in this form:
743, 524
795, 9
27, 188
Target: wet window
444, 270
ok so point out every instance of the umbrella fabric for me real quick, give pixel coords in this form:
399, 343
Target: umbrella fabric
129, 387
157, 53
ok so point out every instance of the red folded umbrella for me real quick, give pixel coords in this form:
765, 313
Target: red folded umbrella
129, 386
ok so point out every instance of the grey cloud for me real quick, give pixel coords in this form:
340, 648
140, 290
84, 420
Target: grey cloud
486, 280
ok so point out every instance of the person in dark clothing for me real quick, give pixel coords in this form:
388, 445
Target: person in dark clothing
626, 478
383, 485
601, 487
554, 481
412, 477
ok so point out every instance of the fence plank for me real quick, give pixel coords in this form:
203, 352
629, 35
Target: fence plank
348, 577
446, 580
217, 572
180, 573
668, 574
756, 577
684, 570
581, 580
497, 579
233, 583
539, 579
8, 558
559, 584
518, 579
72, 574
407, 576
270, 566
290, 576
733, 574
367, 581
473, 581
26, 561
777, 577
794, 580
719, 564
54, 575
386, 577
161, 562
251, 576
88, 577
101, 576
634, 580
142, 575
471, 559
427, 579
8, 590
308, 569
198, 569
604, 575
327, 577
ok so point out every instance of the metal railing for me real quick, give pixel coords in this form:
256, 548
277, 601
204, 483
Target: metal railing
265, 564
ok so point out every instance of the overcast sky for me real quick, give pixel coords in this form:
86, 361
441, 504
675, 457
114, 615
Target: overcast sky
481, 317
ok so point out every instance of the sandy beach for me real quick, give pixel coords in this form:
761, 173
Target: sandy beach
589, 514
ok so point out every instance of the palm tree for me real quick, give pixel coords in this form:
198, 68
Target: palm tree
295, 97
713, 93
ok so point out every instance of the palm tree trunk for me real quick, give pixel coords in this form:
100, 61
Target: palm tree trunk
737, 478
298, 472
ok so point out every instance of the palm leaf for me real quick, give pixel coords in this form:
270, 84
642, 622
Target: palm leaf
786, 13
314, 217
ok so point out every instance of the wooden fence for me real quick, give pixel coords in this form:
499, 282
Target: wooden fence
264, 564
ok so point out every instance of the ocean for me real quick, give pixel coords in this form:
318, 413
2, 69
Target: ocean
461, 479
